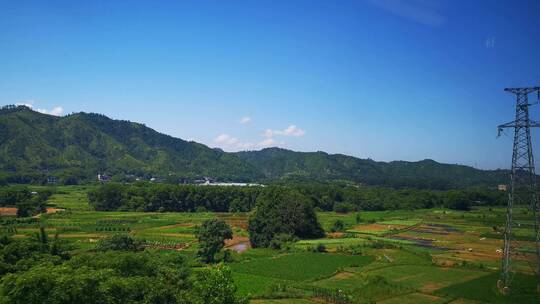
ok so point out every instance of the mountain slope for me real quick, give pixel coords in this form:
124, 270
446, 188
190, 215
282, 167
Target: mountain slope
83, 145
93, 143
277, 163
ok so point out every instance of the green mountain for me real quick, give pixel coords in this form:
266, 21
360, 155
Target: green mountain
81, 145
276, 163
88, 144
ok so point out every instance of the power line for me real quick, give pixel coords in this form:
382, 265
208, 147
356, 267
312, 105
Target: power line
522, 185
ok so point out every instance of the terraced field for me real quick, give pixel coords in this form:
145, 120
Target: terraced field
420, 256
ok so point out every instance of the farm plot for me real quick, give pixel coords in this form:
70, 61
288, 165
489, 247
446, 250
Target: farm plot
426, 278
483, 289
331, 244
255, 285
283, 301
70, 197
300, 266
385, 227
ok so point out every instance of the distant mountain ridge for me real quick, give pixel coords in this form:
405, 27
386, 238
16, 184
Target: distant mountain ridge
84, 144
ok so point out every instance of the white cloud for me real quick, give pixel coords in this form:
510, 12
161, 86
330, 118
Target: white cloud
268, 133
229, 142
269, 142
56, 111
226, 139
291, 130
245, 120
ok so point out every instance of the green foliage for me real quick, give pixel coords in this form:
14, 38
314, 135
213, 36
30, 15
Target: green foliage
102, 278
178, 198
27, 202
76, 147
216, 286
211, 236
117, 242
282, 211
338, 225
107, 197
458, 200
288, 165
282, 241
108, 278
343, 207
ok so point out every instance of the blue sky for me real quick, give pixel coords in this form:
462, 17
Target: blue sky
389, 80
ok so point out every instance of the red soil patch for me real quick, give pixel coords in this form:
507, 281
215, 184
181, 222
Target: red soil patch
13, 211
335, 235
371, 227
54, 210
8, 211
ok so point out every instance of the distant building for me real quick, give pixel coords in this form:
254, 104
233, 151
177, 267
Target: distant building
52, 180
103, 178
502, 187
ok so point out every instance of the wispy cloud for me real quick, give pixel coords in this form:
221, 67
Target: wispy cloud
229, 142
56, 111
291, 130
245, 120
226, 139
420, 11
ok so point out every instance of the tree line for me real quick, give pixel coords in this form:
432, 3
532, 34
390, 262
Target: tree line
26, 201
323, 197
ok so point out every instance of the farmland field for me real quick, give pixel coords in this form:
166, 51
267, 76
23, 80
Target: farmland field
404, 256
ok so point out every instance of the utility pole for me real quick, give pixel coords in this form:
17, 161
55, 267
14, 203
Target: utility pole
522, 184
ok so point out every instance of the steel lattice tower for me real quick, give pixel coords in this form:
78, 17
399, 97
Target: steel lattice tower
522, 189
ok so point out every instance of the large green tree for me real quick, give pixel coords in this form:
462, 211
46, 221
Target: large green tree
212, 235
282, 211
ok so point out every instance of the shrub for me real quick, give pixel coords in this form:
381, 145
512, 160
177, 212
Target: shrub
212, 235
338, 226
344, 207
117, 242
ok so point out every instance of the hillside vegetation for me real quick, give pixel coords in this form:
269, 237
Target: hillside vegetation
76, 147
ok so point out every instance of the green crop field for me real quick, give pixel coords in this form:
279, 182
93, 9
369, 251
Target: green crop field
403, 256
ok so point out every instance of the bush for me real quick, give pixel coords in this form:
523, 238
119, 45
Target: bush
117, 242
282, 241
344, 207
320, 248
338, 226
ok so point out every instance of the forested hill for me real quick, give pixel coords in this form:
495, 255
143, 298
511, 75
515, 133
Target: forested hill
81, 145
276, 163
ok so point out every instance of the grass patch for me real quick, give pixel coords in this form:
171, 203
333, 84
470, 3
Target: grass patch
484, 289
300, 266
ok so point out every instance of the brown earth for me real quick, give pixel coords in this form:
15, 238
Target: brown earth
8, 211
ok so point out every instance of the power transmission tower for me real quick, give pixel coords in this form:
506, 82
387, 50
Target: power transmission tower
522, 189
